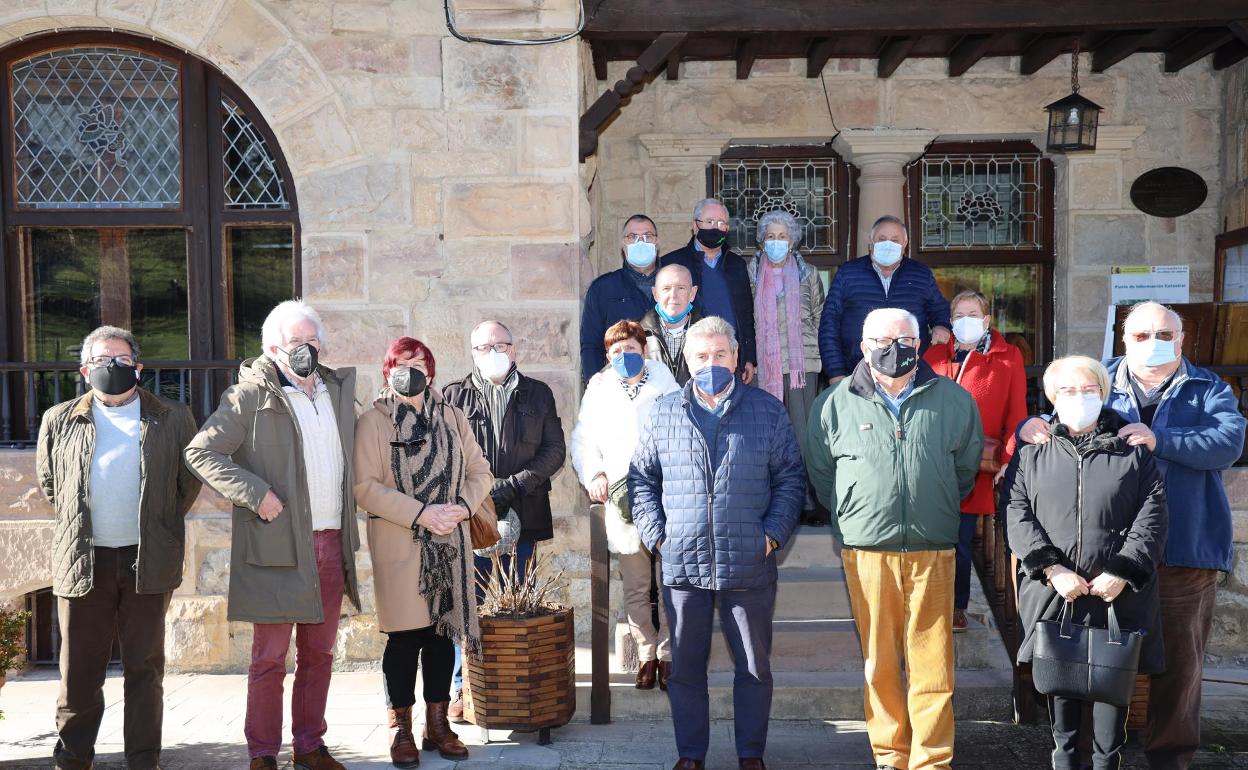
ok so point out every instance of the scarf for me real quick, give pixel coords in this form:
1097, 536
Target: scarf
766, 299
494, 400
428, 464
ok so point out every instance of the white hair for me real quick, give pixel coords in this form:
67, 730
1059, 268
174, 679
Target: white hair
780, 216
107, 333
1149, 307
701, 205
885, 315
280, 318
712, 326
491, 322
887, 219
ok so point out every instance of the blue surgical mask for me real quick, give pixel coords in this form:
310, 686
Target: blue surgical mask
776, 250
628, 364
886, 253
712, 380
1160, 353
641, 254
673, 319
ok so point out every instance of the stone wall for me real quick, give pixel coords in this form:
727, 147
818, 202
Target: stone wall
438, 185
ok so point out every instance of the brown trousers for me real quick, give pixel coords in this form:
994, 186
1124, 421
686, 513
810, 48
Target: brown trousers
1172, 733
88, 626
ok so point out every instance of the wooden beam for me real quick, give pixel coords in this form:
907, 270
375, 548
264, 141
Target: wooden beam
1117, 48
673, 65
598, 51
1231, 53
1044, 49
970, 49
608, 104
746, 54
1240, 30
817, 55
893, 53
1195, 47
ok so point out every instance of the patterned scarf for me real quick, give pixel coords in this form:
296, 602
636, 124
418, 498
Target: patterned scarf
634, 388
428, 464
766, 298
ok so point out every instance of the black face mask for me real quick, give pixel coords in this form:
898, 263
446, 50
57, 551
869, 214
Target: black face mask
301, 359
114, 379
896, 360
711, 237
408, 381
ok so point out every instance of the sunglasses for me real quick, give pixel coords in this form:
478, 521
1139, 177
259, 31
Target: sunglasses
1165, 335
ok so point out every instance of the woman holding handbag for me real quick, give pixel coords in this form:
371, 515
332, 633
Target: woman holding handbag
979, 359
421, 476
614, 410
1087, 520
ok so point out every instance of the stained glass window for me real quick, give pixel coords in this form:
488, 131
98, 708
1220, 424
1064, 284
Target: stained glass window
97, 128
981, 202
805, 187
252, 178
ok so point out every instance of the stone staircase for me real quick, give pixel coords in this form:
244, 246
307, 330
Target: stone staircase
816, 658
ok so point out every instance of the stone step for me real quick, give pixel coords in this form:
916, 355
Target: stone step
802, 645
806, 593
810, 547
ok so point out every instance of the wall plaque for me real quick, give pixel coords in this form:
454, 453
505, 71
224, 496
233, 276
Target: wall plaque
1169, 191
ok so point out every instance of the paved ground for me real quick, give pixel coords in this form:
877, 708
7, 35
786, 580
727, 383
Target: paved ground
203, 731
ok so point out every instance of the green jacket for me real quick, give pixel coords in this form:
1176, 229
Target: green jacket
63, 463
895, 484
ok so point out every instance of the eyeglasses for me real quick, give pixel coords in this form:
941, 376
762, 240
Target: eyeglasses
641, 237
1084, 390
884, 342
102, 361
718, 223
1165, 335
497, 347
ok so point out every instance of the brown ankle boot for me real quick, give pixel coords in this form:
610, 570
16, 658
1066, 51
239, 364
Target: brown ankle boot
438, 733
403, 751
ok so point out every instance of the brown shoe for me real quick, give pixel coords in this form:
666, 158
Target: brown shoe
684, 763
317, 760
403, 751
959, 621
438, 734
259, 763
751, 763
647, 675
455, 712
665, 671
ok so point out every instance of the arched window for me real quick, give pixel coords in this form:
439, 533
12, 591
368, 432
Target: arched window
141, 189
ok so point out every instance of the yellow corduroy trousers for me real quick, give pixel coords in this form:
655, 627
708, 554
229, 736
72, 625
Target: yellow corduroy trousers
903, 607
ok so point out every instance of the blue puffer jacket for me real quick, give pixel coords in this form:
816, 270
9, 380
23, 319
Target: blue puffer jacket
1200, 433
713, 524
857, 290
612, 297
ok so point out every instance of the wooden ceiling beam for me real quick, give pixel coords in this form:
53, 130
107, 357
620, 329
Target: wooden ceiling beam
1044, 49
969, 50
673, 66
893, 53
1229, 54
817, 55
1117, 48
1240, 30
1195, 47
746, 54
598, 52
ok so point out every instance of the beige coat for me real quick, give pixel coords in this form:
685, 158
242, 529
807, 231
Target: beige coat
396, 556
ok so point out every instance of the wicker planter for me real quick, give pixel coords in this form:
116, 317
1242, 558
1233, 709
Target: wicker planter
525, 677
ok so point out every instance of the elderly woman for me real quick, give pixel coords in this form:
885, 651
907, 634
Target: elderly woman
980, 360
616, 405
420, 474
788, 303
1087, 521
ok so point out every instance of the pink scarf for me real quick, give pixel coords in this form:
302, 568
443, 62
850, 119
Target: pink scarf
768, 330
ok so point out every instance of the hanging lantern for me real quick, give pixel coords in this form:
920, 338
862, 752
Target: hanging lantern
1073, 119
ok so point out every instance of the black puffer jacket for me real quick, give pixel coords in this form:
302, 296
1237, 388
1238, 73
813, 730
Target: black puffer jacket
1093, 505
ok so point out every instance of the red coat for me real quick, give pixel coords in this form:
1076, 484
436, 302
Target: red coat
998, 384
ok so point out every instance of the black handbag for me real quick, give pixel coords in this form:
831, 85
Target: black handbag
1084, 662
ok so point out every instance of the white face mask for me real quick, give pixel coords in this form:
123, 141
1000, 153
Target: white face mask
1078, 411
886, 253
1154, 352
969, 329
493, 365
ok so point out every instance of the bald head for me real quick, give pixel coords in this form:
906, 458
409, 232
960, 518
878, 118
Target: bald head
1146, 316
674, 290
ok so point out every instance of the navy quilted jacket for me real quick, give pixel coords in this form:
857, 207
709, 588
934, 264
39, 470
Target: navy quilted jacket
857, 290
611, 297
713, 523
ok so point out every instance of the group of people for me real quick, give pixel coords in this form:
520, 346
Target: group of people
724, 400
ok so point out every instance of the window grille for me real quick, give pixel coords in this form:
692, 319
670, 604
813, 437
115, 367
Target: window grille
990, 202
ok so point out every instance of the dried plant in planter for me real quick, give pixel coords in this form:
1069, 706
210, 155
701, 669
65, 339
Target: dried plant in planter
507, 596
12, 633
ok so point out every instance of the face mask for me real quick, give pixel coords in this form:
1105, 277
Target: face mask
641, 254
776, 250
673, 319
886, 253
628, 365
114, 379
1156, 352
712, 380
493, 365
896, 360
301, 359
1078, 411
969, 329
711, 237
408, 381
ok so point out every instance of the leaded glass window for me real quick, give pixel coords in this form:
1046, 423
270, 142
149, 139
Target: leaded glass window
252, 178
981, 202
807, 188
97, 128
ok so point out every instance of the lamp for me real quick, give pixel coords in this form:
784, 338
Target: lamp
1073, 119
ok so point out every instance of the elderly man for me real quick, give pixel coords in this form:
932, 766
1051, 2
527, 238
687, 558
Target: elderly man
670, 318
279, 448
109, 462
717, 482
883, 278
622, 294
514, 420
893, 451
720, 276
1189, 418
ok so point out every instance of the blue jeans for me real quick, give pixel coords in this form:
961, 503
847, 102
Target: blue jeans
963, 564
745, 619
484, 566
